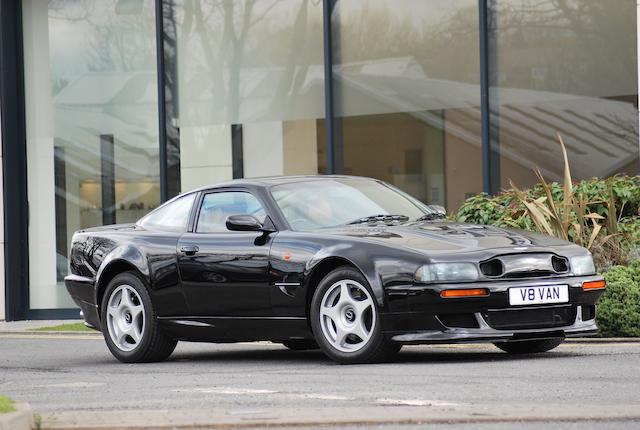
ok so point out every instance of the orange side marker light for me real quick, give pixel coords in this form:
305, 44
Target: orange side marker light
594, 285
473, 292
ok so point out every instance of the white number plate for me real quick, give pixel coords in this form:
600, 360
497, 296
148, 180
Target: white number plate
539, 295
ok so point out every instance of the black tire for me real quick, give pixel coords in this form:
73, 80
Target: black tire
300, 344
154, 345
377, 349
529, 346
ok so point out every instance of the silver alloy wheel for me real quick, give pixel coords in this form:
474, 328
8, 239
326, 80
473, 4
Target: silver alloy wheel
347, 315
125, 318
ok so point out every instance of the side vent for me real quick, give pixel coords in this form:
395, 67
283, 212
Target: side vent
492, 268
560, 264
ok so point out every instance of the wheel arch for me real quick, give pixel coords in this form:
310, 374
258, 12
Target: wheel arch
120, 260
329, 264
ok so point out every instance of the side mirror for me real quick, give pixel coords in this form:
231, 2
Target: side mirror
439, 209
243, 223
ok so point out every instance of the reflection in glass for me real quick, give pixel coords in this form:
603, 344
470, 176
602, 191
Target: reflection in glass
407, 95
92, 127
257, 64
568, 68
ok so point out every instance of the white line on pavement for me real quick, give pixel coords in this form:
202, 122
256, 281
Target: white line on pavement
72, 385
224, 390
414, 402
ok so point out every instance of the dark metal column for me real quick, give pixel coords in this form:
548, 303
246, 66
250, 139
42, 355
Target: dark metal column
490, 129
327, 9
108, 179
16, 211
162, 110
60, 182
237, 159
484, 98
168, 116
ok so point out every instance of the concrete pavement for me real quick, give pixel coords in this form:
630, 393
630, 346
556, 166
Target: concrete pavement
73, 382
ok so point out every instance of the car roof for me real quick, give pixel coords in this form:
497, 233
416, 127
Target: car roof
269, 181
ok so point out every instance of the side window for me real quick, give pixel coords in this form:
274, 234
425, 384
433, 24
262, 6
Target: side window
174, 216
216, 207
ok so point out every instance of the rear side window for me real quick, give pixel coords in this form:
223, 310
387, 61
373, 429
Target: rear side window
216, 207
173, 217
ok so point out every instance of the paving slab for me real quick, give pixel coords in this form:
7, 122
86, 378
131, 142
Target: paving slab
336, 417
20, 419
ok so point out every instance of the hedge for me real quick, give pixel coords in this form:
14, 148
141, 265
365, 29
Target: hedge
618, 313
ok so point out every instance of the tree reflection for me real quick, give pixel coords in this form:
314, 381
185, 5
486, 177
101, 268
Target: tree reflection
228, 46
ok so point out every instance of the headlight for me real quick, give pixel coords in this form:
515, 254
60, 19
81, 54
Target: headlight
583, 265
447, 272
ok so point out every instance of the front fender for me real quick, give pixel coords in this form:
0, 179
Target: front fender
382, 266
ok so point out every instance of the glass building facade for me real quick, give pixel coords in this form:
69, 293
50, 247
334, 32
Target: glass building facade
110, 107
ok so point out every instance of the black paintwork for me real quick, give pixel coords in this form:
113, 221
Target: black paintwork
257, 285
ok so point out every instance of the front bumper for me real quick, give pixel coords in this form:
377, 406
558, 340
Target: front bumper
416, 314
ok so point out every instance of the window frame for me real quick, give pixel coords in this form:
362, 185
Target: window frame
167, 203
193, 222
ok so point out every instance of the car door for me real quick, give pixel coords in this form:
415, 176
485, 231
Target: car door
225, 273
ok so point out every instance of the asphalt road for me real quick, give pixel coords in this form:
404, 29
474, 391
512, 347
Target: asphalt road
74, 381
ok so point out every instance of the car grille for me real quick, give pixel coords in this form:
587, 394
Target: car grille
530, 318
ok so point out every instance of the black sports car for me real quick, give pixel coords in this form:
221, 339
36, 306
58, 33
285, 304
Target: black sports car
351, 265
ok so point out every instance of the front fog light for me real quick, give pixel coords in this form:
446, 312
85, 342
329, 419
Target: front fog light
583, 265
440, 272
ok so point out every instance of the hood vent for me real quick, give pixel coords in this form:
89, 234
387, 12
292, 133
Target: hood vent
524, 266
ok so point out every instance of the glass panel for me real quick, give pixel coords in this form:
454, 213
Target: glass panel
253, 63
92, 127
216, 207
407, 94
567, 68
330, 203
174, 216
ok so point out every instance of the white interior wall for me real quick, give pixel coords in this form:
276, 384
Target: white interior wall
41, 190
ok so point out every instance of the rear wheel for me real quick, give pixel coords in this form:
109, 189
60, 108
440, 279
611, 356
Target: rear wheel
129, 323
529, 346
300, 344
345, 319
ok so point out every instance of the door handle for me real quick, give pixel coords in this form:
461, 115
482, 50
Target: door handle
189, 249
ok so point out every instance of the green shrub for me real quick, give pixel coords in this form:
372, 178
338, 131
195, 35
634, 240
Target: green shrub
621, 192
619, 308
501, 209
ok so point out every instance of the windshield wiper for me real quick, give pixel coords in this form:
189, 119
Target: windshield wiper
380, 218
431, 216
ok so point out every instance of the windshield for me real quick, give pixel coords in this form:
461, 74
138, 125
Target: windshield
334, 202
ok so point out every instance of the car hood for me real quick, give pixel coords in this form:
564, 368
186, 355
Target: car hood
452, 237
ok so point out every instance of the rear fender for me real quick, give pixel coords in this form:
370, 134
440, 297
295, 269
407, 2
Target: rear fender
123, 254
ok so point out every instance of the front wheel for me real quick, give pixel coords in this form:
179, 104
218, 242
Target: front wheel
129, 324
345, 319
529, 346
